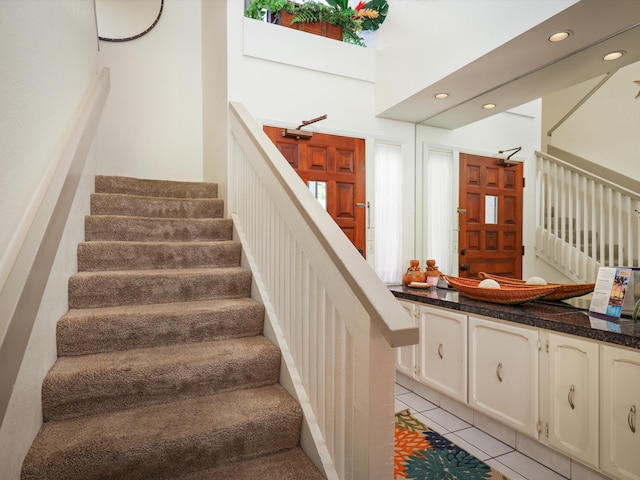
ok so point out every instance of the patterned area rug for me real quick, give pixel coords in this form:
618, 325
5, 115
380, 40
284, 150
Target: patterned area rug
422, 454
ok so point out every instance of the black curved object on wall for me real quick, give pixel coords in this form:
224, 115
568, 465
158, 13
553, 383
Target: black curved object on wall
128, 39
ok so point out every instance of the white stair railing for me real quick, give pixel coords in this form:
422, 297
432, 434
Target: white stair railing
583, 221
334, 320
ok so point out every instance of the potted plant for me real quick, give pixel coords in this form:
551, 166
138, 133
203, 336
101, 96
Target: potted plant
336, 13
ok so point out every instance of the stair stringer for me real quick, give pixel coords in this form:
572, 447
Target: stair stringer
311, 439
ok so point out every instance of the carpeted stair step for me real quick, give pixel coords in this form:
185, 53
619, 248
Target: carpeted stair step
291, 464
108, 289
157, 207
140, 229
96, 330
165, 441
95, 256
155, 188
105, 382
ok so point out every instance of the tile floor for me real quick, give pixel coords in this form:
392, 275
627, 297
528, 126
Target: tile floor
499, 455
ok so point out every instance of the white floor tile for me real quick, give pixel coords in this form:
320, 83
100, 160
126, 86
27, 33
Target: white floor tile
485, 442
400, 389
400, 405
447, 420
458, 409
467, 447
503, 469
495, 429
532, 448
528, 468
427, 393
431, 424
416, 402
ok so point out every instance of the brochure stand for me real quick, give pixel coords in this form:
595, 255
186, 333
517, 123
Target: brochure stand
615, 294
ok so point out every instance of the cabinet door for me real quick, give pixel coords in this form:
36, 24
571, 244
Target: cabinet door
503, 373
442, 355
570, 396
619, 412
406, 356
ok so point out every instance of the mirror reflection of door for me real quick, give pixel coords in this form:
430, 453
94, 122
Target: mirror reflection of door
490, 217
332, 166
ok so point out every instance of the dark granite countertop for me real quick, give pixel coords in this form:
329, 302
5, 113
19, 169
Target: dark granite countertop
556, 316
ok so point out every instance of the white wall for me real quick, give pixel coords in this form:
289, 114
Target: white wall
604, 130
49, 60
48, 52
152, 123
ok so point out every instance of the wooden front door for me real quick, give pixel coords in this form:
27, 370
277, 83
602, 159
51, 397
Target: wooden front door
490, 217
337, 164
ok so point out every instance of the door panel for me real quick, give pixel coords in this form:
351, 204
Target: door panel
490, 205
338, 161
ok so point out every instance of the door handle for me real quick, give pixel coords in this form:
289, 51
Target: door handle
463, 251
362, 205
572, 392
461, 210
464, 267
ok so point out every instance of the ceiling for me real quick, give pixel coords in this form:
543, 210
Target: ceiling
530, 66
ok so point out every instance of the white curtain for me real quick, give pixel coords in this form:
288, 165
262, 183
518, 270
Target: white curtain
438, 181
388, 212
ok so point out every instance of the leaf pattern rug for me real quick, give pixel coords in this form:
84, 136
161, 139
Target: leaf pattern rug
422, 454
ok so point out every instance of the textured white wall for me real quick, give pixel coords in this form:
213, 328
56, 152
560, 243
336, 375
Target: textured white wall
49, 57
48, 52
152, 123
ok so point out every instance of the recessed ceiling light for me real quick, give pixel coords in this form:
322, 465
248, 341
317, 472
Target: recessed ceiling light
559, 36
442, 95
489, 106
614, 55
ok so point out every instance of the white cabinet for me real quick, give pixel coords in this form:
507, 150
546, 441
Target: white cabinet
620, 412
503, 373
569, 370
406, 356
442, 361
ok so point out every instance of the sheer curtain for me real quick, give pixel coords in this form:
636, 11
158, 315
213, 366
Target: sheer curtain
438, 181
388, 212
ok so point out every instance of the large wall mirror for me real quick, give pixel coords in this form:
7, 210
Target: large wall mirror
121, 20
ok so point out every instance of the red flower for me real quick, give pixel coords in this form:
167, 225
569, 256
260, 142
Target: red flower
360, 6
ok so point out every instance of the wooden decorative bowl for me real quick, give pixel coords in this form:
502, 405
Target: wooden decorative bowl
506, 294
563, 290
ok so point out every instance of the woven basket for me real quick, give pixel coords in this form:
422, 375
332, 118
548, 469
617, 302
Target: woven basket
563, 290
506, 294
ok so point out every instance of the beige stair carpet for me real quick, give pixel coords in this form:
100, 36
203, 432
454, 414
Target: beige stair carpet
163, 372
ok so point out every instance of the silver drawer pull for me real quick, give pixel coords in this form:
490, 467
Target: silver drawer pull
440, 351
631, 419
499, 371
572, 392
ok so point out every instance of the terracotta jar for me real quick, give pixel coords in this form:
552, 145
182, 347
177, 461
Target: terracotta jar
413, 273
432, 274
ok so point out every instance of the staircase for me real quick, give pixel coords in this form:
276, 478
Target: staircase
584, 222
163, 372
